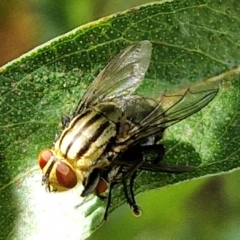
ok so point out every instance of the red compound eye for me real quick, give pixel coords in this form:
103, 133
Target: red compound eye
65, 175
44, 157
102, 186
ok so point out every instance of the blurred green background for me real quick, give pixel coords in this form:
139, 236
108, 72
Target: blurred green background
200, 209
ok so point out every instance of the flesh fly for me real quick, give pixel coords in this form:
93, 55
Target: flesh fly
105, 140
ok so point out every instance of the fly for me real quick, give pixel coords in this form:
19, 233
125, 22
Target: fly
111, 129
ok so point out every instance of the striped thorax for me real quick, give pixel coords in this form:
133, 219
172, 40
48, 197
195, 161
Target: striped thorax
86, 138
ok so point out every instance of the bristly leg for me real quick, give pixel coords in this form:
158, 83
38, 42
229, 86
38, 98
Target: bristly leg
122, 177
109, 200
137, 158
136, 209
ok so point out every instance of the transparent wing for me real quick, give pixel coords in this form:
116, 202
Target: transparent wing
163, 167
120, 77
168, 109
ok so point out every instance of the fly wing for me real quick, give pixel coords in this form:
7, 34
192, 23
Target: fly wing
168, 110
120, 77
163, 167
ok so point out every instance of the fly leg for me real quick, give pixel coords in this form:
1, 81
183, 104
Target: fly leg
137, 158
136, 209
130, 162
109, 200
125, 172
128, 189
148, 158
129, 194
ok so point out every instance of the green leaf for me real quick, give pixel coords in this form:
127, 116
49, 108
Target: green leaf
192, 41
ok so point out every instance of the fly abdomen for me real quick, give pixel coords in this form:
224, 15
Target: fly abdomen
86, 137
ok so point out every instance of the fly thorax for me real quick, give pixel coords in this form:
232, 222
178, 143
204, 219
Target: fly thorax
86, 137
